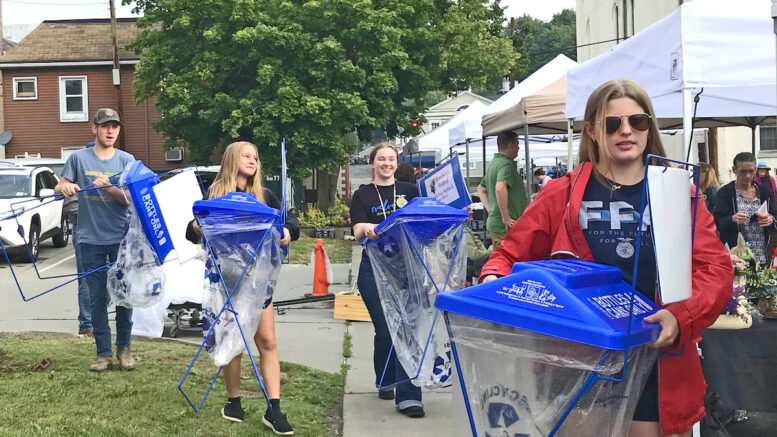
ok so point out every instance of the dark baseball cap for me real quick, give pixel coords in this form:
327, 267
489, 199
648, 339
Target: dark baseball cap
104, 115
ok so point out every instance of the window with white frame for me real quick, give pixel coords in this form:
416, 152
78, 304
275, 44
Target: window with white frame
25, 88
73, 99
768, 137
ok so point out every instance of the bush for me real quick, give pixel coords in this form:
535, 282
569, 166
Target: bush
313, 217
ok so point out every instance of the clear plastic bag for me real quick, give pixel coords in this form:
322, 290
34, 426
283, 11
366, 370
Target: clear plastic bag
136, 279
520, 383
409, 277
233, 241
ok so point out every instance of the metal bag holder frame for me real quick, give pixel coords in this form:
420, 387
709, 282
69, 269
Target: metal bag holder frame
417, 253
228, 306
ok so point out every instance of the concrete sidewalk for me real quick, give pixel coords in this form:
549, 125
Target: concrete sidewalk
364, 414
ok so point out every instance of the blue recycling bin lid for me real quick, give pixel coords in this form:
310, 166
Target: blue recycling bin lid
238, 214
573, 300
139, 181
239, 204
138, 172
429, 216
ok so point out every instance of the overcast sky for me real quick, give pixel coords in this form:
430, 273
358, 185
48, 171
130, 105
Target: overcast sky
35, 11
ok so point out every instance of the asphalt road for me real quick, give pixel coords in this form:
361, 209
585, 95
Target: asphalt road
360, 174
54, 311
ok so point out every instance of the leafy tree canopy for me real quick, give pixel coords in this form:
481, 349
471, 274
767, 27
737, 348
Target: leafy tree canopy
540, 41
312, 71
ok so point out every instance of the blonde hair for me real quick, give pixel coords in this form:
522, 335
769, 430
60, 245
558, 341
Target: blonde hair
710, 176
383, 145
226, 179
596, 111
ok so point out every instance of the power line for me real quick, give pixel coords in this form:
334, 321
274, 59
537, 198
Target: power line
563, 49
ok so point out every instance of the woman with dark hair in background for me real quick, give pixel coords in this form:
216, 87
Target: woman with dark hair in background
405, 173
736, 209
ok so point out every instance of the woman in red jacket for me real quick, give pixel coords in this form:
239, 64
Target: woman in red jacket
592, 214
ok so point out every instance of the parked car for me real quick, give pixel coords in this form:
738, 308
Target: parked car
54, 164
20, 184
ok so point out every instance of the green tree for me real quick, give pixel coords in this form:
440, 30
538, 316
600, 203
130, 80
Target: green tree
539, 41
312, 71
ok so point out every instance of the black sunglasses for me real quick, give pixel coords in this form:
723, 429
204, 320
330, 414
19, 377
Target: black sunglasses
640, 122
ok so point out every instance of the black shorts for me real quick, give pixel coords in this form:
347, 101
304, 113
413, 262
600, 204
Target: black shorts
647, 407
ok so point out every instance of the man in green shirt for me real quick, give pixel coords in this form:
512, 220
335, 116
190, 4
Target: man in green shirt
502, 190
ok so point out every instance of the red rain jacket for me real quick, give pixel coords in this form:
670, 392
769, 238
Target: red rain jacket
549, 228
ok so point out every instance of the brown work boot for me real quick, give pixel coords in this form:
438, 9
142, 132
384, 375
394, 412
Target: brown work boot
125, 358
86, 334
101, 364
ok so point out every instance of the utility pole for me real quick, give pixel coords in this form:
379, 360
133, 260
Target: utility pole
117, 72
774, 18
512, 34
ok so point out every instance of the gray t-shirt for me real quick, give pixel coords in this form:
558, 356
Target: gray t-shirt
101, 218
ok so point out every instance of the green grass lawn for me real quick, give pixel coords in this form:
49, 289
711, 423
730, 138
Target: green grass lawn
71, 401
339, 251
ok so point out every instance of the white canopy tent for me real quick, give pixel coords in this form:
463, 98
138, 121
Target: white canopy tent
519, 107
471, 126
721, 49
437, 140
538, 101
502, 112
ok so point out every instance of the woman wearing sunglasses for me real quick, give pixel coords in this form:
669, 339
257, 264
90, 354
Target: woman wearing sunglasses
592, 213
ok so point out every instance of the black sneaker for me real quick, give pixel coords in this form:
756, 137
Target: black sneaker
387, 394
233, 411
414, 411
278, 423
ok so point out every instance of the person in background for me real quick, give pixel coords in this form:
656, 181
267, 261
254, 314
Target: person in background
708, 184
502, 190
70, 207
542, 177
405, 173
591, 214
477, 253
371, 204
762, 177
736, 209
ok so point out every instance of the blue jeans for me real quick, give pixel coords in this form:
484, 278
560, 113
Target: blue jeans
95, 256
84, 305
407, 395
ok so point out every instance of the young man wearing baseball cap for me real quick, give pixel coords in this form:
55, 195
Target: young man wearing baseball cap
102, 215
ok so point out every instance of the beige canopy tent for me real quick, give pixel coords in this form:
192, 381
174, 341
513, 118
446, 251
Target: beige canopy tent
543, 111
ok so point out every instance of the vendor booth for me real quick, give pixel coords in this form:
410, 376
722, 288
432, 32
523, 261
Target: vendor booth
721, 51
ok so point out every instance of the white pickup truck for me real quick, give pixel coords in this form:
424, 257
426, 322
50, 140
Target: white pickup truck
31, 184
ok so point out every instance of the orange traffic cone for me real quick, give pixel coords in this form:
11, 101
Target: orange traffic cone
322, 271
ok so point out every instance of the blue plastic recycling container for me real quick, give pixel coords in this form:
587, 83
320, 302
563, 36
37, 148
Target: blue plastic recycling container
542, 350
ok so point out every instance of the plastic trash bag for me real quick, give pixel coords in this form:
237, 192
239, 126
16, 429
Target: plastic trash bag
520, 383
409, 277
233, 240
136, 278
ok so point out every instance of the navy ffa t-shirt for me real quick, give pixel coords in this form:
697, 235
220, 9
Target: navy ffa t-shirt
368, 207
609, 219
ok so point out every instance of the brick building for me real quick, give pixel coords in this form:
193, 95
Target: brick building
54, 80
